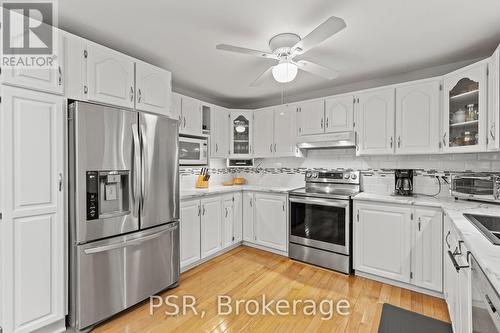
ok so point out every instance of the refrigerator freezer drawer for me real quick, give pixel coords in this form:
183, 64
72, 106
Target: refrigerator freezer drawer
117, 273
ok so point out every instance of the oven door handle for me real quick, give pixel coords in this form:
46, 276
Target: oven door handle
321, 202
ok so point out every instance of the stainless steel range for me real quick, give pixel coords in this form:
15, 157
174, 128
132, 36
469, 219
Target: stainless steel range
321, 219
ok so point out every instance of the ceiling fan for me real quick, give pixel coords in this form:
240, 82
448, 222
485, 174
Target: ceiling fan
286, 46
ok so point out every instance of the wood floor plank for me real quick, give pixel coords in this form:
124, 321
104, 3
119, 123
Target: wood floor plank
247, 273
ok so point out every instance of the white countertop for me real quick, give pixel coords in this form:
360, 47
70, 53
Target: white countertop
486, 254
219, 189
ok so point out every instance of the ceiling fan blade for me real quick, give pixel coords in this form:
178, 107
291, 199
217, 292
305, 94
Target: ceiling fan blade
262, 77
316, 69
324, 31
237, 49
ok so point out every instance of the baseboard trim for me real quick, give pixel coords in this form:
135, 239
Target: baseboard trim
265, 248
201, 261
399, 284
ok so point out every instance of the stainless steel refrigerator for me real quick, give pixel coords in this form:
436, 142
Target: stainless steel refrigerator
123, 209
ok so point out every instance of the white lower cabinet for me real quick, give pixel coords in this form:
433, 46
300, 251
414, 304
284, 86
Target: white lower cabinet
227, 220
32, 230
266, 222
399, 242
238, 217
457, 284
190, 232
211, 226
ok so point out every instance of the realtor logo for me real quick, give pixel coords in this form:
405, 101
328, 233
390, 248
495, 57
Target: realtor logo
28, 33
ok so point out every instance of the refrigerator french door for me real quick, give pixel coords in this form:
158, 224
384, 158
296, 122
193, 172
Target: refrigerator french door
124, 209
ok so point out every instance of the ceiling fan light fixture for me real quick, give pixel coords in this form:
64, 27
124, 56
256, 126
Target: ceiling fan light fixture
285, 72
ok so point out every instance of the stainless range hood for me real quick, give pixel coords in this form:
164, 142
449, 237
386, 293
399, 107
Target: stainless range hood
323, 141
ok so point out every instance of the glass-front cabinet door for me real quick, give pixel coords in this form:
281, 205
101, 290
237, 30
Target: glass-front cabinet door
241, 133
465, 109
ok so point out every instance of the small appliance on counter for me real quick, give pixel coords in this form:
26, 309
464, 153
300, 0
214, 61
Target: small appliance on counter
403, 182
477, 186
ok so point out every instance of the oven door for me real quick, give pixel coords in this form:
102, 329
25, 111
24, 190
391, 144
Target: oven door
320, 223
193, 151
485, 302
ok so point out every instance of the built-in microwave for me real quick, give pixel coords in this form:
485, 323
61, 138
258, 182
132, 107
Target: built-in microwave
193, 151
477, 186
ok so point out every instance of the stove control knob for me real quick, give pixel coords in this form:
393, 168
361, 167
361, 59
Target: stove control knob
308, 174
353, 176
315, 175
346, 176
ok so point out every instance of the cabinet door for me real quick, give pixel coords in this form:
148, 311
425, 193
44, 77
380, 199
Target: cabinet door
190, 232
375, 122
464, 294
427, 260
153, 87
238, 217
176, 108
227, 224
284, 131
465, 109
417, 118
494, 101
382, 241
191, 116
32, 231
264, 124
451, 292
248, 217
42, 79
241, 134
110, 76
211, 226
339, 112
270, 221
219, 133
311, 118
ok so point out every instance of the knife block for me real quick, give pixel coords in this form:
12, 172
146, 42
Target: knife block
201, 183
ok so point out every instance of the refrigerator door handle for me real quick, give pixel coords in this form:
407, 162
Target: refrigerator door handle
144, 169
131, 242
136, 169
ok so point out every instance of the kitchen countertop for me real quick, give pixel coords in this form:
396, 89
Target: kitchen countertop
219, 189
486, 254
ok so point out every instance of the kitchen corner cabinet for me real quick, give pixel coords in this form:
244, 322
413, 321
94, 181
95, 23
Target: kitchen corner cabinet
270, 221
248, 216
238, 217
375, 122
32, 230
153, 88
227, 220
417, 118
211, 226
465, 109
49, 80
110, 76
241, 127
311, 117
219, 132
190, 232
412, 246
493, 127
339, 113
264, 141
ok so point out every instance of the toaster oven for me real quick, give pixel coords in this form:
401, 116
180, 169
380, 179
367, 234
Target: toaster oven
476, 186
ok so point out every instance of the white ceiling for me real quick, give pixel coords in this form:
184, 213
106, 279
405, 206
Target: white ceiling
383, 37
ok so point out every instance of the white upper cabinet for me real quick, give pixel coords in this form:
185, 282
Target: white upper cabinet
110, 76
191, 122
153, 88
176, 107
190, 251
311, 117
241, 127
219, 132
284, 131
465, 109
32, 230
493, 128
264, 125
47, 79
375, 122
427, 260
417, 118
389, 258
339, 113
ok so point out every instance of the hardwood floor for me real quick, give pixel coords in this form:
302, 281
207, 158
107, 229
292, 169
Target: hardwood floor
247, 273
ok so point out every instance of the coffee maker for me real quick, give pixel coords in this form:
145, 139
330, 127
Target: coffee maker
403, 182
